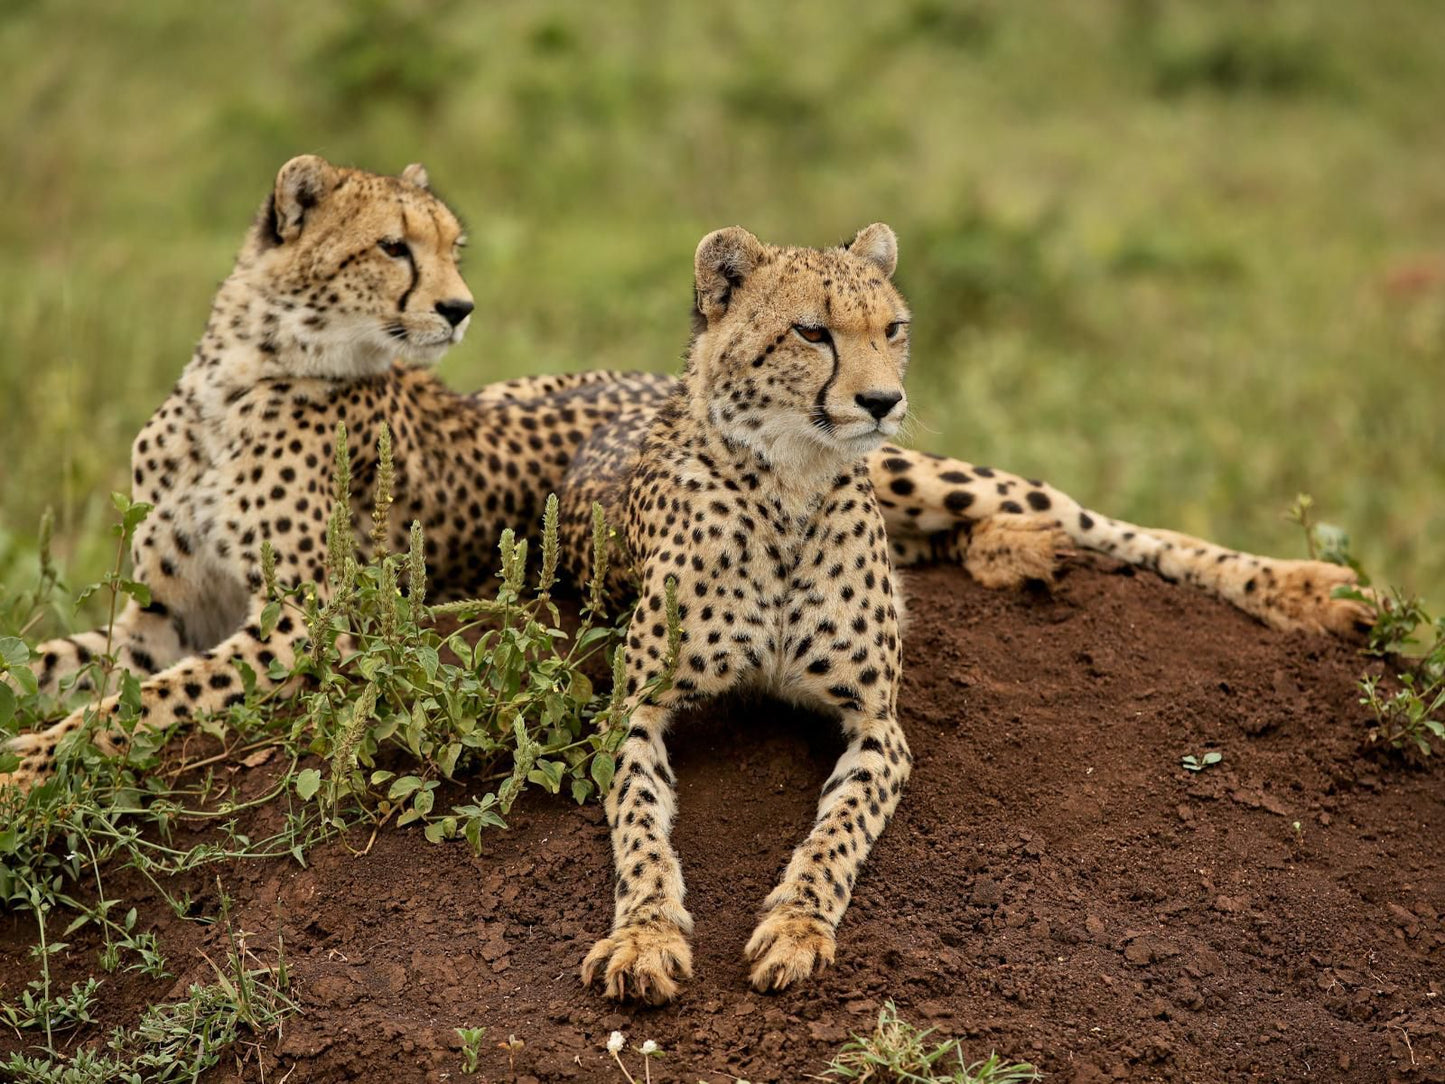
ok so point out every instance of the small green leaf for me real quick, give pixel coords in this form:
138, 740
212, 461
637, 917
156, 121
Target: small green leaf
13, 651
130, 698
603, 768
7, 705
137, 590
581, 688
403, 786
581, 791
1212, 758
26, 679
447, 762
270, 614
308, 782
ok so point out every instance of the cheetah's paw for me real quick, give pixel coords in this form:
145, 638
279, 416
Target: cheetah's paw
37, 756
642, 961
1302, 598
787, 947
1006, 551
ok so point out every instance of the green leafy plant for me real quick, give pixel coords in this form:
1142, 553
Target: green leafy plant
1410, 718
173, 1042
897, 1051
1192, 763
402, 703
36, 1008
471, 1047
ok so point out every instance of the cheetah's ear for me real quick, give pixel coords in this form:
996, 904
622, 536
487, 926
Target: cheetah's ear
416, 174
724, 258
302, 183
878, 245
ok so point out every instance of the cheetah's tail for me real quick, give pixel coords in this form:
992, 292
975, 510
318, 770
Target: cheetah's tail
987, 519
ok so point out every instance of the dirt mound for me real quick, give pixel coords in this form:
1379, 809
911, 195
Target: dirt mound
1055, 886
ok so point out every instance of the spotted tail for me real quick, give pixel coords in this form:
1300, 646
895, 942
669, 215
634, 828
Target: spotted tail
1005, 530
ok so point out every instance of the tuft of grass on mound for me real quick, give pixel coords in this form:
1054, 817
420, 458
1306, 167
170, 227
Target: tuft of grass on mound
898, 1052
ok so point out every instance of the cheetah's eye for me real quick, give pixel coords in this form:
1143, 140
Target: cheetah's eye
397, 250
813, 334
895, 329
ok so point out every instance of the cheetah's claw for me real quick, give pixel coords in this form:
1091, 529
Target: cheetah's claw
642, 962
787, 947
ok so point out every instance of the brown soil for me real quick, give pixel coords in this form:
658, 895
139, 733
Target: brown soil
1054, 886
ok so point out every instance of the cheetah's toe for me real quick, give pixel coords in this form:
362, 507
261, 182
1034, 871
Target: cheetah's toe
787, 947
642, 962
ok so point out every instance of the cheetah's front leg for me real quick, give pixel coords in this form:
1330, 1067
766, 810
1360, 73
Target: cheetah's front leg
647, 950
795, 935
201, 683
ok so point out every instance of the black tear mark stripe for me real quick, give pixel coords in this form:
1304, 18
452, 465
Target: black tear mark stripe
820, 415
410, 262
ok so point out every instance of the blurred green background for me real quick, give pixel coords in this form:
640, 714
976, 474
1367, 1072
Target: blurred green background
1182, 259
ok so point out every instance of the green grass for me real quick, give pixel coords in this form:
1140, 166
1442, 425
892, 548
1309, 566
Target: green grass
1183, 260
898, 1052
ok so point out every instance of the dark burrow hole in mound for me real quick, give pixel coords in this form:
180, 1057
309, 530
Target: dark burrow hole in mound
1055, 886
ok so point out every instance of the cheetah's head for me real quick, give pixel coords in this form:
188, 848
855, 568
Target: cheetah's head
800, 353
357, 269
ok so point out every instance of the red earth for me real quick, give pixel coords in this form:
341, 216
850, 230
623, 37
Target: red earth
1055, 885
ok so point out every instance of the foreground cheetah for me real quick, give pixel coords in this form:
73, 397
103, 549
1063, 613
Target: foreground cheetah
760, 481
759, 493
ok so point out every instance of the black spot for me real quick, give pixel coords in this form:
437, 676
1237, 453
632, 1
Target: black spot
957, 500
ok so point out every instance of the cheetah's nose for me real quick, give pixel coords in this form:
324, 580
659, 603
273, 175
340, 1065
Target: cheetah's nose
878, 403
456, 310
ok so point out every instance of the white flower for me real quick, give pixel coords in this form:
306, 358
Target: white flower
649, 1047
616, 1042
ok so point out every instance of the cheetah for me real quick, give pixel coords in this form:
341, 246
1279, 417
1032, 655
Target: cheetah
345, 292
762, 485
765, 495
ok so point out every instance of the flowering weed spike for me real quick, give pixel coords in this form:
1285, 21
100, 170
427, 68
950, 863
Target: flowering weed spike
390, 602
268, 568
617, 704
341, 467
598, 585
550, 546
416, 569
381, 507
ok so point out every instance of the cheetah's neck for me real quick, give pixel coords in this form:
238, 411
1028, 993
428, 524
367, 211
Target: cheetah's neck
786, 467
254, 335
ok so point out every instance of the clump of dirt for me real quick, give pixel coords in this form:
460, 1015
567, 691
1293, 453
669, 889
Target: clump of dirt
1055, 885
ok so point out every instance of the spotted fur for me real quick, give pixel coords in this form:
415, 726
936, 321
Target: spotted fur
762, 482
